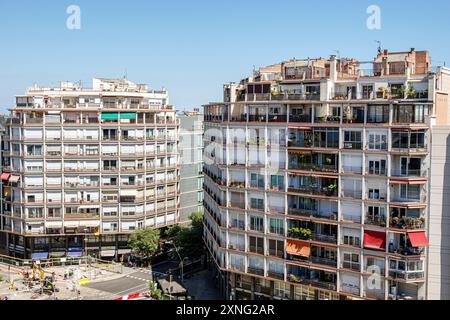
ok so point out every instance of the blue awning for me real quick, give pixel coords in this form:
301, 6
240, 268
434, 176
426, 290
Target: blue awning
39, 256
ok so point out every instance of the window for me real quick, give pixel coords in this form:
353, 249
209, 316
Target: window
375, 213
256, 245
325, 138
352, 140
351, 261
276, 248
374, 194
257, 181
282, 290
408, 140
410, 192
276, 226
34, 150
377, 141
378, 114
352, 241
377, 167
277, 182
257, 204
367, 91
257, 224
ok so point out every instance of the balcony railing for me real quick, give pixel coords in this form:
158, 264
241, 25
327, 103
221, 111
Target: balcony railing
306, 118
324, 261
312, 214
259, 272
355, 266
324, 238
376, 220
407, 275
410, 223
313, 191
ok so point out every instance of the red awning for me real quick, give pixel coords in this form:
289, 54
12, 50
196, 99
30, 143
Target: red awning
5, 176
418, 239
374, 240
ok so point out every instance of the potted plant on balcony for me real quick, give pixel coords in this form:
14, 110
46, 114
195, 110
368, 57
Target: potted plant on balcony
331, 189
294, 278
395, 221
381, 92
411, 93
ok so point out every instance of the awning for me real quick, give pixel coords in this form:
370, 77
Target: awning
110, 116
128, 115
410, 182
298, 248
108, 253
418, 239
374, 240
57, 254
39, 256
5, 176
14, 179
75, 254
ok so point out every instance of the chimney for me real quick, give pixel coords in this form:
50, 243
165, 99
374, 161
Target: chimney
385, 67
333, 68
386, 52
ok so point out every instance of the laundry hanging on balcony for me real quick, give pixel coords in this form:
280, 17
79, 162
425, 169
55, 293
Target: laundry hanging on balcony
418, 239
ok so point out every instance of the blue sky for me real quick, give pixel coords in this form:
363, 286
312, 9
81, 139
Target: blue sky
193, 47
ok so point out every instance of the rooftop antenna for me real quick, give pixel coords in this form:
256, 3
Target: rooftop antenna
126, 74
338, 53
379, 46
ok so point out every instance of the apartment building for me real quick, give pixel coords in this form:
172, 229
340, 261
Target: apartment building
82, 168
317, 179
191, 164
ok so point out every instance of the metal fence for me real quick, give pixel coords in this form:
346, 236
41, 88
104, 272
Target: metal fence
62, 262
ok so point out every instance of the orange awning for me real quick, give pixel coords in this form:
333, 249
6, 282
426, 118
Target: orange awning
418, 239
410, 182
374, 240
5, 176
298, 248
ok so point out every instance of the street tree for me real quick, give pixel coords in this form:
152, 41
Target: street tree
144, 242
190, 240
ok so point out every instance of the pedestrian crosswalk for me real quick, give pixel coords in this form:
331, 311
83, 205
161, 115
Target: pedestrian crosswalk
143, 275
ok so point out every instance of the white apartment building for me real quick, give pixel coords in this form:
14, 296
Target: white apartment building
83, 168
317, 179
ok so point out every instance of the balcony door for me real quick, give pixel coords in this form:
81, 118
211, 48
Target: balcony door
410, 166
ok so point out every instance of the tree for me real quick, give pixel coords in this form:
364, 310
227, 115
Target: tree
144, 242
173, 231
190, 240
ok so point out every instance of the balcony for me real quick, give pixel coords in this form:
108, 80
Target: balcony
327, 238
312, 214
406, 250
324, 261
375, 220
407, 275
256, 271
349, 265
315, 282
301, 118
409, 223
